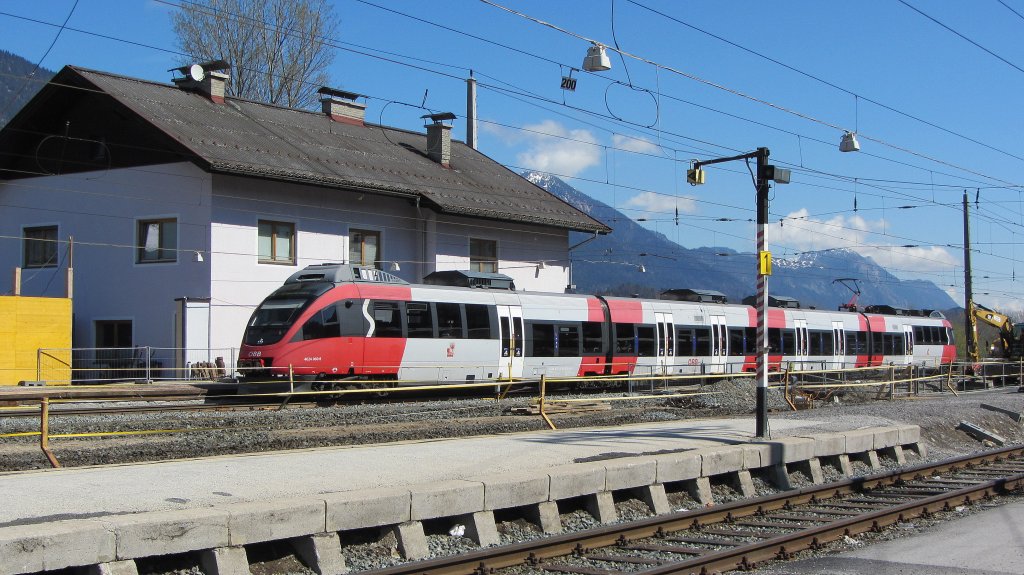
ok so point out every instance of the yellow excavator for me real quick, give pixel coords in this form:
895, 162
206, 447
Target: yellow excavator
1010, 345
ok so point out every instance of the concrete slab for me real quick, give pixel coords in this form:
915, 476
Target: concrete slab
789, 449
224, 561
260, 521
601, 506
545, 515
719, 460
446, 499
322, 553
507, 490
678, 466
885, 437
860, 440
829, 444
630, 472
56, 545
126, 567
412, 542
166, 532
480, 527
756, 455
576, 480
908, 434
367, 508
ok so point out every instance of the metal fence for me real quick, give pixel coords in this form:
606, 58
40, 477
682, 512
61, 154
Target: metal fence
141, 363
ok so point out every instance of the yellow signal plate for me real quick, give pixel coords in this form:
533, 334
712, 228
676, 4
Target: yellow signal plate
765, 261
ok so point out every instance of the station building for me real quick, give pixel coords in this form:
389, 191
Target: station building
180, 208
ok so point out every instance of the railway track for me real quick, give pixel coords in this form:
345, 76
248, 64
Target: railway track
742, 534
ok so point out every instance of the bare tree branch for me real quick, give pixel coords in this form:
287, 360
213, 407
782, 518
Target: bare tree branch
277, 48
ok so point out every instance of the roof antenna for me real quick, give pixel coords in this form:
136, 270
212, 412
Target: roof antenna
425, 92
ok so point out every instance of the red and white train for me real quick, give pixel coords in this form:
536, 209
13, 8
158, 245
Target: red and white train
336, 321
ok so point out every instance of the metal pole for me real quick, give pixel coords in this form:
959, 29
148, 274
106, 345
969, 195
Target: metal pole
471, 139
762, 296
970, 323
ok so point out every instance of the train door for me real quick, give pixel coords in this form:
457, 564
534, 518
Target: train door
802, 344
510, 328
908, 344
838, 345
666, 342
719, 344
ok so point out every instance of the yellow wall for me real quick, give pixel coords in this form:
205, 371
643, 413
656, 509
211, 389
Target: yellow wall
28, 324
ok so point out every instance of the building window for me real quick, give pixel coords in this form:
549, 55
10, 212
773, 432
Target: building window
276, 242
157, 241
483, 255
40, 247
364, 248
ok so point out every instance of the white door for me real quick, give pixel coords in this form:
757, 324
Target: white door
719, 344
908, 343
838, 344
666, 342
802, 344
510, 327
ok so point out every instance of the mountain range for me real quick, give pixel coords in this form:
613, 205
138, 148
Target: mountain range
611, 264
18, 83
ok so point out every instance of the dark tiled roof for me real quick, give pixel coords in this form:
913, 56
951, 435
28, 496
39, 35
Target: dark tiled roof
260, 140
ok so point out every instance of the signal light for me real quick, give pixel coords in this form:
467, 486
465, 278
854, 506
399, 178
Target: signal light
695, 176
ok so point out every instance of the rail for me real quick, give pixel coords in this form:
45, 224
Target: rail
739, 535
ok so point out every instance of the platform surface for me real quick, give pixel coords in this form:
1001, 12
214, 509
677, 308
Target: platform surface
49, 495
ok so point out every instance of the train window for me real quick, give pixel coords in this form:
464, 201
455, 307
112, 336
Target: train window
702, 341
593, 338
919, 333
788, 341
775, 341
900, 345
568, 342
351, 319
736, 341
856, 343
646, 343
814, 346
323, 324
625, 338
478, 321
684, 341
751, 334
449, 320
828, 343
505, 337
542, 341
877, 343
421, 324
387, 319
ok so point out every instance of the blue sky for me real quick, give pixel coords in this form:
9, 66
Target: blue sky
687, 95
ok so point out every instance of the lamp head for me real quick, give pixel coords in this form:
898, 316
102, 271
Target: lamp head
849, 142
597, 59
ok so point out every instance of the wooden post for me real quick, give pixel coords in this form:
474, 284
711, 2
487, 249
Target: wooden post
44, 432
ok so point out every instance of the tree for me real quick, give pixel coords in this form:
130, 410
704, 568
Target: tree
278, 49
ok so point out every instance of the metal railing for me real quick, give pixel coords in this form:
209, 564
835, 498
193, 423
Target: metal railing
140, 363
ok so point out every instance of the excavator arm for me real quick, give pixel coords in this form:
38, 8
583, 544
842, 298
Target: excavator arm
999, 321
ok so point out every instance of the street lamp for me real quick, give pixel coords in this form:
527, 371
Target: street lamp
765, 173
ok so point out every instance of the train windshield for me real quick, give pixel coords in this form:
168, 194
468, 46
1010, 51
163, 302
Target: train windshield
278, 312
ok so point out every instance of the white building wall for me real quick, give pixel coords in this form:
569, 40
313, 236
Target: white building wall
100, 210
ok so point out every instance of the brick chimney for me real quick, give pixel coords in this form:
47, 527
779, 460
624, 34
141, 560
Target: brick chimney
207, 78
341, 106
439, 138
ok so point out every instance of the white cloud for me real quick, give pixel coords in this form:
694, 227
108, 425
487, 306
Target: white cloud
652, 202
634, 144
553, 148
801, 232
